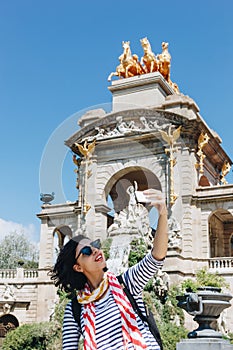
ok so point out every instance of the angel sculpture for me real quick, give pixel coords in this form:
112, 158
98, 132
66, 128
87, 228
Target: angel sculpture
86, 150
170, 137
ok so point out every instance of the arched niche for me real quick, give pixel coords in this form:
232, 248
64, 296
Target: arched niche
8, 322
118, 184
116, 189
221, 233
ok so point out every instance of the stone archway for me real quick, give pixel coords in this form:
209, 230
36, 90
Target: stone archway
8, 322
62, 231
117, 189
131, 218
221, 233
61, 235
118, 184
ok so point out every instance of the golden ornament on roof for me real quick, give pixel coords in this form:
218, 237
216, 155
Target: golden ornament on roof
130, 65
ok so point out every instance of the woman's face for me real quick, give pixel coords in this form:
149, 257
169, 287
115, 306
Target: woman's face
89, 263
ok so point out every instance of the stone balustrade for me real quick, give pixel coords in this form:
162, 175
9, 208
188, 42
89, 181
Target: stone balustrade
221, 263
30, 273
7, 273
18, 273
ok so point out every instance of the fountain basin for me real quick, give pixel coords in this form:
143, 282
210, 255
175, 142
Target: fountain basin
206, 306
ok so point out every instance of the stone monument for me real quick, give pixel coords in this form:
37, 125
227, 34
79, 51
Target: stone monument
154, 136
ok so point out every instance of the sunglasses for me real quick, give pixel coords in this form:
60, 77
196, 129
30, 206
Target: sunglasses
87, 250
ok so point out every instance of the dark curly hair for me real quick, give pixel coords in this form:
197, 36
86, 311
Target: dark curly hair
62, 273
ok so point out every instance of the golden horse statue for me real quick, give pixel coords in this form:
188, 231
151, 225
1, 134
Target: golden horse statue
129, 65
149, 59
165, 62
165, 66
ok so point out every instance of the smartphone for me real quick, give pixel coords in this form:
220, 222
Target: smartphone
141, 198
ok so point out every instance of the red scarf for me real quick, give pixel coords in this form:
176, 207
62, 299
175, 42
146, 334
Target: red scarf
130, 330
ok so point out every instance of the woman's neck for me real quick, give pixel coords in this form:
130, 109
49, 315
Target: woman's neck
94, 281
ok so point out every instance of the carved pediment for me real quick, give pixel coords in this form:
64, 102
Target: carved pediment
127, 123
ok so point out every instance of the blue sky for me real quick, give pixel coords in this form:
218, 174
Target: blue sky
55, 57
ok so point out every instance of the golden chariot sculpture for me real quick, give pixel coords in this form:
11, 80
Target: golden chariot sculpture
130, 65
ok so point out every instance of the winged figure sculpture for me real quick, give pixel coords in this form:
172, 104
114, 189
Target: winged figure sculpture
170, 137
85, 149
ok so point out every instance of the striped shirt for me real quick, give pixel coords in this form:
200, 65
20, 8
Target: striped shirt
108, 321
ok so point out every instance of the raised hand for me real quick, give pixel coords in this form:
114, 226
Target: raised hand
156, 199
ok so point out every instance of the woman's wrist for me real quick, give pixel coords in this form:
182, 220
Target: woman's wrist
163, 210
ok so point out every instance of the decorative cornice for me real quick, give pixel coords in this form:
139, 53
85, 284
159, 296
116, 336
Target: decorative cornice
102, 208
57, 210
213, 193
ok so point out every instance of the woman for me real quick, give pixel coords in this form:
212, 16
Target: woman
108, 321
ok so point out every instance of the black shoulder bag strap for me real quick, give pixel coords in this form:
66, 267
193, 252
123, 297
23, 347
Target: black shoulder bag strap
149, 319
76, 309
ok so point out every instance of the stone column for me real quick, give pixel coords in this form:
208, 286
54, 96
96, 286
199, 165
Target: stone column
46, 245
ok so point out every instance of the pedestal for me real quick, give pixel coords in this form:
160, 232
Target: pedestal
204, 344
139, 91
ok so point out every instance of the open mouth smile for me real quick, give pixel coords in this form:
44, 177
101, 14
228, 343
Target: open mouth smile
99, 257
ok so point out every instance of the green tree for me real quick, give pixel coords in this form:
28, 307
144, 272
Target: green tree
137, 251
16, 250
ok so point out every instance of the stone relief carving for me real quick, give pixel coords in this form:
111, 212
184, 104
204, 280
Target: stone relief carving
7, 296
122, 128
174, 236
6, 308
8, 293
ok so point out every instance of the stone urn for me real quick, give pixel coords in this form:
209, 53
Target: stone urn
46, 198
206, 306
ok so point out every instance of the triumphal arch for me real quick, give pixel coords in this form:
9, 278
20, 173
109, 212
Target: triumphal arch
155, 137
